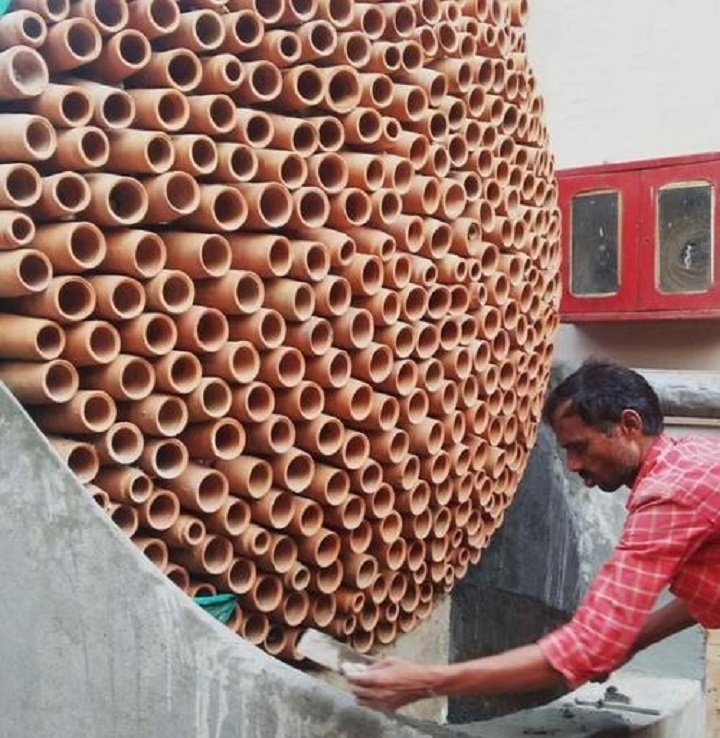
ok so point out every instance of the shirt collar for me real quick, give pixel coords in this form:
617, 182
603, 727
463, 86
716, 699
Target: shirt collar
661, 444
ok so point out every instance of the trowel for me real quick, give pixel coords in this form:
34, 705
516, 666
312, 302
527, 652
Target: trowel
327, 652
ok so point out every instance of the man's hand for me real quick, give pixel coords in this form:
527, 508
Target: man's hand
390, 683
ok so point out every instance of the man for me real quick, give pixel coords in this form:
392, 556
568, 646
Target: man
608, 421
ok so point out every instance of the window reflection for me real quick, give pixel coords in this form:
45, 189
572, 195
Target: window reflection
684, 238
595, 244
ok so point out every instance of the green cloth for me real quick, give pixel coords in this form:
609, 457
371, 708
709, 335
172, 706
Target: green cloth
221, 606
4, 5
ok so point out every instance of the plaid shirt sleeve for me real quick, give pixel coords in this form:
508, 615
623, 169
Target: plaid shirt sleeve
659, 534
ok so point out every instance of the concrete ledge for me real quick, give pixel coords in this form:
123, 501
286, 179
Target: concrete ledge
95, 642
678, 705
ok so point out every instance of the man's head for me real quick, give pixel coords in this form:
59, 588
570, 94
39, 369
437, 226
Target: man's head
605, 417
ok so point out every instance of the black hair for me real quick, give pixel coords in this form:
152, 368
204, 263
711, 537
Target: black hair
599, 391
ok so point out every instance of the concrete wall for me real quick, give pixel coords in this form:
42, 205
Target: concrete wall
96, 642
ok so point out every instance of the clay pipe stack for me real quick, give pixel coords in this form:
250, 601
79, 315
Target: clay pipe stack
280, 285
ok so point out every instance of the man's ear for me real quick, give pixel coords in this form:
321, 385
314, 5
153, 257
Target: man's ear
631, 423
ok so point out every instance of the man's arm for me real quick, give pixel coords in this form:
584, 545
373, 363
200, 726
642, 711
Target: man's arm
668, 620
392, 683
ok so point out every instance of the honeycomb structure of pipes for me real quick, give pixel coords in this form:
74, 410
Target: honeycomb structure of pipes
279, 283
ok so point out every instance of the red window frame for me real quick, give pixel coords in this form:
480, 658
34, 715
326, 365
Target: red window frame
638, 297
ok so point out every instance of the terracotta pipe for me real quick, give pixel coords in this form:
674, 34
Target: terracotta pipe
157, 414
140, 152
164, 109
63, 194
221, 74
326, 579
150, 335
321, 549
28, 272
402, 379
72, 247
405, 474
91, 343
311, 208
247, 476
266, 255
16, 229
389, 446
216, 439
210, 400
322, 435
354, 450
253, 403
71, 43
116, 200
23, 73
292, 134
236, 361
276, 433
380, 502
384, 412
124, 485
288, 168
29, 138
165, 458
414, 407
132, 252
201, 329
66, 300
160, 511
31, 338
154, 18
372, 363
121, 444
282, 367
290, 297
262, 83
80, 457
154, 549
312, 337
331, 370
20, 186
22, 28
213, 555
118, 297
232, 519
36, 383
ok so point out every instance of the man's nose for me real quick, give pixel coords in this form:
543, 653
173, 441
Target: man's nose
573, 463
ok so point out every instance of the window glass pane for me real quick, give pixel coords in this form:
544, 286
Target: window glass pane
684, 241
595, 244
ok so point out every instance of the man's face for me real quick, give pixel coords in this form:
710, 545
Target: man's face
608, 459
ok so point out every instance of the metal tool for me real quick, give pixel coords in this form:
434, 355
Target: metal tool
615, 700
327, 652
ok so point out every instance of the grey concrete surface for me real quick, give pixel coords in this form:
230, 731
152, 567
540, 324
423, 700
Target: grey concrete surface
95, 642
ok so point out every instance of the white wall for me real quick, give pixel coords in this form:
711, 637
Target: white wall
625, 80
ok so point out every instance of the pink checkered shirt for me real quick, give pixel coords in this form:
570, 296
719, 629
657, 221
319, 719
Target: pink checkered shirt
671, 537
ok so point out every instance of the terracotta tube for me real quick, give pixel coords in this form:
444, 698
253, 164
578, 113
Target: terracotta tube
160, 109
31, 338
178, 575
22, 28
125, 517
236, 361
27, 272
274, 510
372, 363
312, 337
388, 446
210, 400
328, 485
71, 43
402, 380
149, 335
323, 435
92, 342
87, 411
65, 300
23, 73
200, 31
154, 549
276, 434
232, 519
185, 531
177, 372
140, 152
384, 306
294, 299
399, 337
353, 329
352, 402
293, 470
213, 555
384, 412
282, 367
122, 55
321, 549
154, 18
175, 194
36, 383
331, 370
304, 401
216, 439
63, 194
118, 297
264, 328
158, 414
201, 329
353, 452
330, 132
262, 83
72, 247
107, 17
28, 138
165, 458
200, 488
20, 186
405, 474
311, 208
415, 406
131, 252
115, 200
244, 31
16, 229
286, 167
124, 485
121, 444
247, 476
176, 68
198, 255
413, 303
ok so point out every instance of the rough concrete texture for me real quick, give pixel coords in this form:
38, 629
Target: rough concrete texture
95, 642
